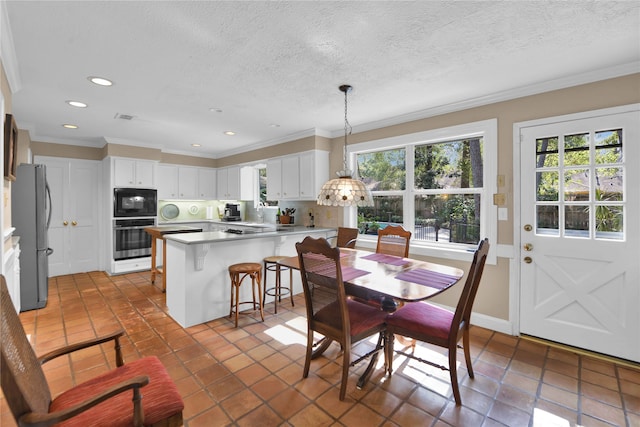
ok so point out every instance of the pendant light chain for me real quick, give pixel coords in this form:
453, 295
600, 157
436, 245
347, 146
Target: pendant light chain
347, 128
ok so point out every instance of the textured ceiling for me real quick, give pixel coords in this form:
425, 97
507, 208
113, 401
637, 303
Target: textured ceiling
265, 63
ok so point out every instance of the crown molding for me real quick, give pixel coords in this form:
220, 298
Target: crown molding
8, 52
507, 95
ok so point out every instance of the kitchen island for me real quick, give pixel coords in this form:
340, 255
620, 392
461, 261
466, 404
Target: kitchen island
198, 284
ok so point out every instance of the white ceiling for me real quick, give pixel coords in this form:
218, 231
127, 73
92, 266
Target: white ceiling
265, 63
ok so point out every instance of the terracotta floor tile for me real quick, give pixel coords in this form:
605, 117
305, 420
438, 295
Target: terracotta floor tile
261, 416
241, 404
603, 412
214, 417
288, 402
311, 415
269, 387
246, 376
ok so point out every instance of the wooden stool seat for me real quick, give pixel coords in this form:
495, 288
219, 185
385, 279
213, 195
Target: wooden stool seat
237, 273
271, 264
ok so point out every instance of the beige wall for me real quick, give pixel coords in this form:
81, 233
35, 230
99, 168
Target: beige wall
493, 297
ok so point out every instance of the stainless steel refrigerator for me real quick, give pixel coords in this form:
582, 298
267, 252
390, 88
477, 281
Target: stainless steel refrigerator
30, 215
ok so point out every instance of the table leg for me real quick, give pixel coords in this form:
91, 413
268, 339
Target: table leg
153, 260
164, 265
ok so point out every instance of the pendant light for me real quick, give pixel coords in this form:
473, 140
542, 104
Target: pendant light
345, 190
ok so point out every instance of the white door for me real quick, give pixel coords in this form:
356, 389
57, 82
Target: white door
73, 231
580, 254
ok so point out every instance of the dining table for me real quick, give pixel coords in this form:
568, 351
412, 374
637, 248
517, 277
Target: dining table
386, 281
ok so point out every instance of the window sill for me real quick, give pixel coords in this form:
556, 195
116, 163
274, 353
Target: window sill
423, 250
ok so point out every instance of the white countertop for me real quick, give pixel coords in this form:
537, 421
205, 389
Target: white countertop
221, 236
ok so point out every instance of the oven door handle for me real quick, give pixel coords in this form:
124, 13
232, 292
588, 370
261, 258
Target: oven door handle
130, 228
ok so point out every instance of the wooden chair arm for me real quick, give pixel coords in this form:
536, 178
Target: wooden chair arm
89, 343
135, 383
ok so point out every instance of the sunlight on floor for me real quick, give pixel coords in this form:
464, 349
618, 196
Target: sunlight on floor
546, 419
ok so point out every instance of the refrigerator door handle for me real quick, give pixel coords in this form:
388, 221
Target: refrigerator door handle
49, 251
50, 204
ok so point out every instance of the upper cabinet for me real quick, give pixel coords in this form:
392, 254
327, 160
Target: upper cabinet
297, 177
186, 182
235, 183
133, 173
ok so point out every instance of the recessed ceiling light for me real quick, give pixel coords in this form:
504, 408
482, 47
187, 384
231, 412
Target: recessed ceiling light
215, 110
69, 126
101, 81
195, 145
77, 104
274, 125
229, 132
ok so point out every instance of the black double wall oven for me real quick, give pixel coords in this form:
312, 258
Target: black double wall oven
133, 210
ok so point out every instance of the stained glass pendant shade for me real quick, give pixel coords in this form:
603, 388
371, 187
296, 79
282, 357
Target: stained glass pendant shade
345, 190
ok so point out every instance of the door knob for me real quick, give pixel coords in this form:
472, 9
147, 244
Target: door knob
528, 247
74, 223
528, 259
65, 223
528, 227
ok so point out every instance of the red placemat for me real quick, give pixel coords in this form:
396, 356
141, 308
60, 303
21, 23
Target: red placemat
386, 259
427, 278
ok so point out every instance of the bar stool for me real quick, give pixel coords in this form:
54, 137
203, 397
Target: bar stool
238, 272
271, 264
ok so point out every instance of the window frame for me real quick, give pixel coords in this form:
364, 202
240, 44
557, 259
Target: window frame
488, 130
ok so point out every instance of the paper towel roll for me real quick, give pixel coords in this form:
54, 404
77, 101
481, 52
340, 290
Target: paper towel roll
209, 212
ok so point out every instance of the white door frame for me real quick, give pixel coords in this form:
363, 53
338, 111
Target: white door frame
514, 266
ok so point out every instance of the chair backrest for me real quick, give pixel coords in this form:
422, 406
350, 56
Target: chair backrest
324, 293
23, 382
347, 237
468, 295
393, 240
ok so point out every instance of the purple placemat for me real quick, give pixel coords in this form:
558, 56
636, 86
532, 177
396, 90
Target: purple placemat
427, 278
386, 259
348, 273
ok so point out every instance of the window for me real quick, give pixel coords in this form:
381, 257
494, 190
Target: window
434, 183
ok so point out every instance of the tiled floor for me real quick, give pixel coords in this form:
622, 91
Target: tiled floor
252, 376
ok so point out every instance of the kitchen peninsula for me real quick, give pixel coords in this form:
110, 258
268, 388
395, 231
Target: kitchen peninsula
198, 284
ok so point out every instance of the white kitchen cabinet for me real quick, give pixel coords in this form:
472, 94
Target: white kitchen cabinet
297, 177
235, 183
314, 172
167, 181
188, 182
73, 231
134, 173
206, 183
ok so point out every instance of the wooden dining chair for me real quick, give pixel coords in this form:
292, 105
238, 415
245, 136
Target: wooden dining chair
393, 240
439, 326
112, 399
329, 311
347, 237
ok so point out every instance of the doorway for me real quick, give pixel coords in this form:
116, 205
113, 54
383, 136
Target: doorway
579, 233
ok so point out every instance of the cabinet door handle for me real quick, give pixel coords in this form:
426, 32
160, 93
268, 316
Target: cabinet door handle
65, 223
74, 223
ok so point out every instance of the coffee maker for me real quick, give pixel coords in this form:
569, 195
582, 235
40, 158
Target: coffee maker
231, 212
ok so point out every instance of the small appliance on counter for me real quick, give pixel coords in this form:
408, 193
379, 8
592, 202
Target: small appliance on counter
231, 212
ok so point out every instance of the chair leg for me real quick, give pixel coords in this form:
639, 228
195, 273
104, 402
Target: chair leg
467, 351
307, 359
453, 373
260, 305
346, 361
291, 286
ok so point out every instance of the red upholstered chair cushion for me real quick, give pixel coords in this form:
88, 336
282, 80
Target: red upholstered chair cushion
362, 317
160, 398
422, 318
